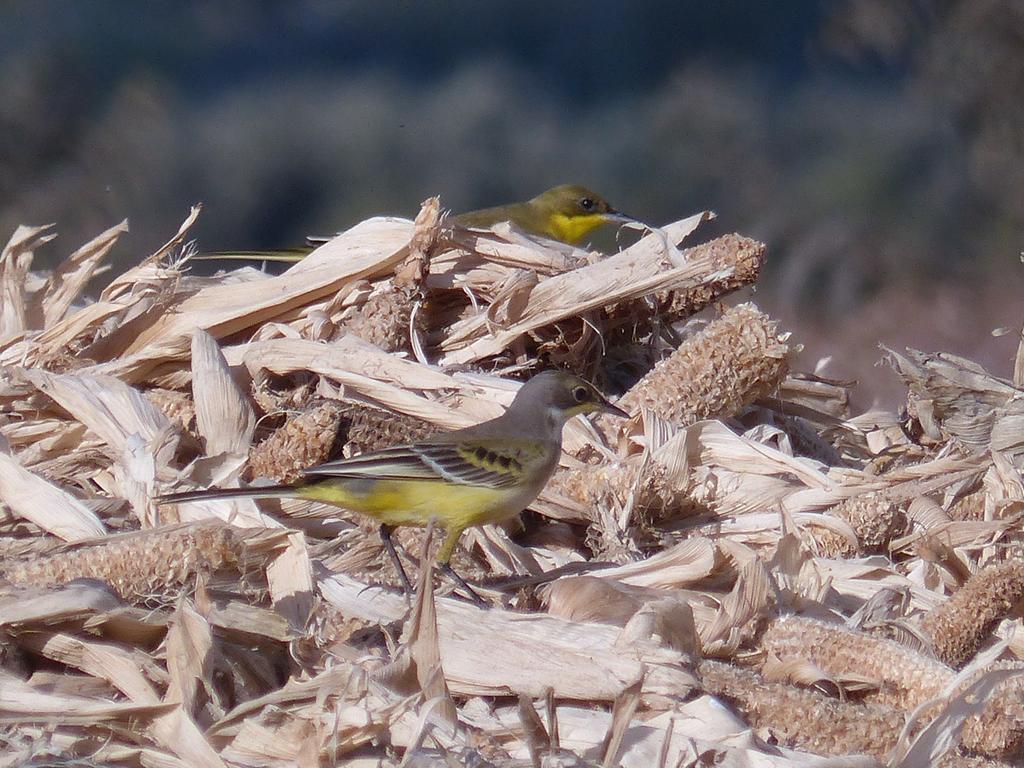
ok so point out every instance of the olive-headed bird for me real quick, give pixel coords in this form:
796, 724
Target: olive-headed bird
567, 213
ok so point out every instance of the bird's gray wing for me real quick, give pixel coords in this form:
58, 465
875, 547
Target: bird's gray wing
483, 462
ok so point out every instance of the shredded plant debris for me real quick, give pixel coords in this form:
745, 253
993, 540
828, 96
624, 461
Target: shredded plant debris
745, 572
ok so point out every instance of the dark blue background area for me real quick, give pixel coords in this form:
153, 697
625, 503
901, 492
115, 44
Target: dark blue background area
581, 51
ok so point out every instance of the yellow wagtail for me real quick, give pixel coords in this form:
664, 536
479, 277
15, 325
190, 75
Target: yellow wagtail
482, 474
567, 213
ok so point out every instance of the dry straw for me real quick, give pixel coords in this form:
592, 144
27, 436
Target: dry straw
264, 645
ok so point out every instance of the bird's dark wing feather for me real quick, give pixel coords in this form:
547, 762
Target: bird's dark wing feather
490, 463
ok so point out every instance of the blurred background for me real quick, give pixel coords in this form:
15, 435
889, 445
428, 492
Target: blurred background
877, 146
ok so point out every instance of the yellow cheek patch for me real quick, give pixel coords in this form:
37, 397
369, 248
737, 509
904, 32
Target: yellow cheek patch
572, 229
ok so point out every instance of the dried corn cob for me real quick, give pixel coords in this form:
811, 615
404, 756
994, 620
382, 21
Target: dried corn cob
812, 721
743, 255
617, 340
962, 623
874, 518
999, 730
804, 719
409, 275
137, 565
905, 678
303, 441
311, 437
370, 429
383, 320
736, 359
957, 759
176, 406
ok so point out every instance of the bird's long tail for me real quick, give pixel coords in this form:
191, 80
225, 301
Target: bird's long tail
257, 492
286, 255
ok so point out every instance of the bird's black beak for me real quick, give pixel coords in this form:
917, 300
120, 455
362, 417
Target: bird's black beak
614, 410
615, 217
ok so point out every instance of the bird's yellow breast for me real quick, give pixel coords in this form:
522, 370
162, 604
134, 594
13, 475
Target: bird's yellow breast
415, 502
572, 229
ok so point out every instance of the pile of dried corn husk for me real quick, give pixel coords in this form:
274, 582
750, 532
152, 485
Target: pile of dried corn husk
782, 583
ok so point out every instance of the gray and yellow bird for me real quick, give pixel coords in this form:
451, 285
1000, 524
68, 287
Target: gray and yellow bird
486, 473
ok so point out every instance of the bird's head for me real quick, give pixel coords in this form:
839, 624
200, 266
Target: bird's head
562, 395
571, 212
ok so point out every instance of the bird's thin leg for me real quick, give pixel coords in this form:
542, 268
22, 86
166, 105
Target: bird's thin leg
444, 556
448, 571
385, 537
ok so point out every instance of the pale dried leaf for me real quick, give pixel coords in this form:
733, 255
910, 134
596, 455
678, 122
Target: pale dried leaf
15, 260
176, 731
49, 507
224, 416
290, 579
747, 601
622, 713
107, 406
115, 664
189, 643
687, 562
125, 285
497, 653
20, 703
69, 279
366, 250
589, 598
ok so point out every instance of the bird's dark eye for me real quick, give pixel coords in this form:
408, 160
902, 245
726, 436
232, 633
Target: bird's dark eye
580, 394
587, 204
